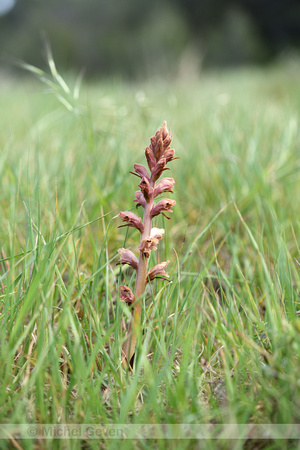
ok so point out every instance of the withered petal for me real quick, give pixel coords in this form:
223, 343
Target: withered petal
157, 233
126, 294
147, 245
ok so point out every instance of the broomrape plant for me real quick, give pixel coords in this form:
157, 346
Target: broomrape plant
158, 155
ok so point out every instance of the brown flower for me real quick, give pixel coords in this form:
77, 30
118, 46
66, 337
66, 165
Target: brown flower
150, 243
126, 294
141, 171
127, 257
139, 199
147, 245
164, 205
158, 270
132, 220
145, 187
165, 185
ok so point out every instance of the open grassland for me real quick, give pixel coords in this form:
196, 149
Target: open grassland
221, 341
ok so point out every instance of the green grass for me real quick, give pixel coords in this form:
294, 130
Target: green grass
221, 341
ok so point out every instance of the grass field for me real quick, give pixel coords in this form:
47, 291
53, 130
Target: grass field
221, 341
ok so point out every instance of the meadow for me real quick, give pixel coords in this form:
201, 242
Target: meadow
220, 342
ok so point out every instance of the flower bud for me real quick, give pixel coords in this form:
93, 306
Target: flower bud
160, 142
156, 145
165, 132
159, 168
150, 158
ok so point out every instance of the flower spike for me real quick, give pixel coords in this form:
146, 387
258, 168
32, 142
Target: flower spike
158, 155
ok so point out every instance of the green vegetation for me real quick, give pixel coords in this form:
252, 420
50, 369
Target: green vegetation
227, 350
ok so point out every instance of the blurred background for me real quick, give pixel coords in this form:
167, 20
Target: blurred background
134, 39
